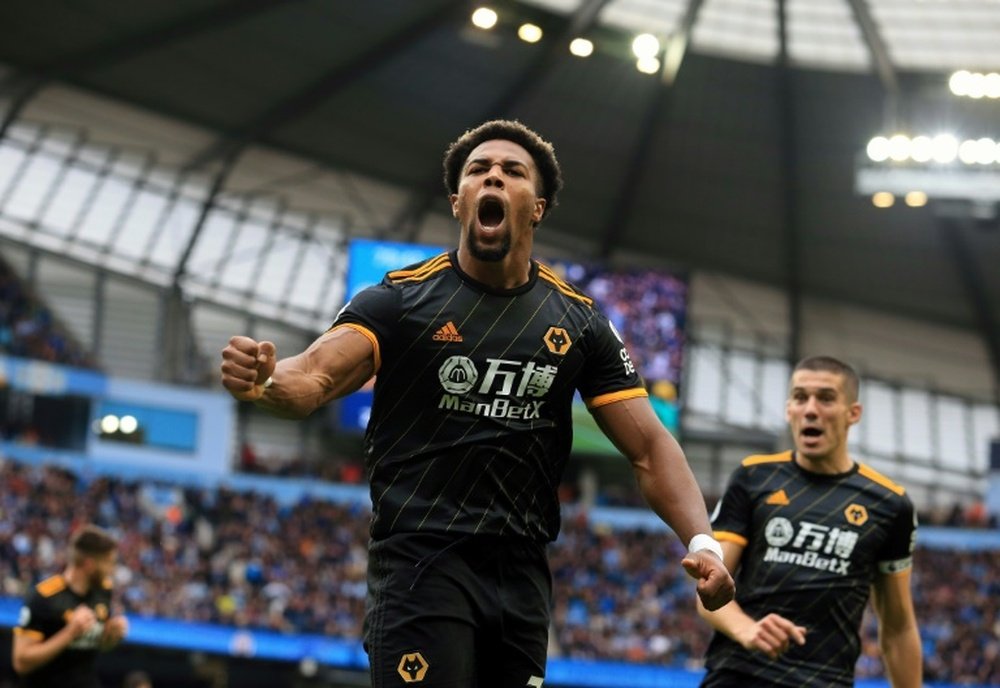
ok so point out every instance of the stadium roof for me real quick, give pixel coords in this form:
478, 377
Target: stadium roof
741, 160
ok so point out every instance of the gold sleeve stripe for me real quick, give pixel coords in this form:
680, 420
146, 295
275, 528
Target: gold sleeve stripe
423, 277
605, 399
367, 334
542, 267
727, 536
51, 586
423, 272
29, 633
561, 286
877, 477
429, 263
783, 457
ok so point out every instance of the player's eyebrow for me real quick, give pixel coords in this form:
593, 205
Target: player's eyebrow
815, 390
506, 162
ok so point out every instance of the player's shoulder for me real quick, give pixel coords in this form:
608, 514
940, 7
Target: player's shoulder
551, 279
419, 273
50, 587
766, 459
870, 475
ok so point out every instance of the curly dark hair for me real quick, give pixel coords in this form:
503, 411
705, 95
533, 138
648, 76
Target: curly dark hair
541, 152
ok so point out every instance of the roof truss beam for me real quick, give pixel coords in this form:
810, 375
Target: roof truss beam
624, 205
297, 105
878, 49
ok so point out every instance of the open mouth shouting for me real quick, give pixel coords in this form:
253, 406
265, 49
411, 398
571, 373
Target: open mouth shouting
810, 435
491, 213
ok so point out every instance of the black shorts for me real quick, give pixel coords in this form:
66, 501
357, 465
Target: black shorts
457, 612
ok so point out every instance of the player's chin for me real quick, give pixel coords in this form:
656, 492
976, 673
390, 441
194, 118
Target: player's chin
811, 447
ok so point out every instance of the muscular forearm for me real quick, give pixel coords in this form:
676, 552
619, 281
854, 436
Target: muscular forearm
292, 392
336, 364
28, 658
903, 657
667, 484
729, 620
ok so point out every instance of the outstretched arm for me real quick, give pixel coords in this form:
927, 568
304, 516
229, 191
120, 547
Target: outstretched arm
336, 364
898, 636
31, 650
770, 635
668, 485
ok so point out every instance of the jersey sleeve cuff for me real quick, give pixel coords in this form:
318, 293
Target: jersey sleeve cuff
367, 334
612, 397
29, 633
729, 536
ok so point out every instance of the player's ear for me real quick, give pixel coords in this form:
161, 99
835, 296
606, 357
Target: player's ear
536, 215
453, 199
854, 413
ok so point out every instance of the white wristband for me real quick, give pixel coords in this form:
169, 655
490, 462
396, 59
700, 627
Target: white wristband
702, 541
267, 382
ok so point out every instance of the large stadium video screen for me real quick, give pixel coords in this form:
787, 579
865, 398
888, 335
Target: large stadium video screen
369, 259
649, 310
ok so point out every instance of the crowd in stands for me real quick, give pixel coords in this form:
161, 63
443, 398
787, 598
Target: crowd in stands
28, 329
329, 467
242, 559
647, 309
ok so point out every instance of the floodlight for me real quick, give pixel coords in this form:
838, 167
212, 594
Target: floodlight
899, 147
883, 199
921, 148
484, 18
944, 148
648, 65
878, 148
529, 33
581, 47
645, 45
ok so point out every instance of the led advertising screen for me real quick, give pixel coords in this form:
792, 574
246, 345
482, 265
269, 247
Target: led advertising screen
369, 259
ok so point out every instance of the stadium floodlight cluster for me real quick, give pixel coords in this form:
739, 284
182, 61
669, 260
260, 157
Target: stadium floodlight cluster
975, 84
646, 47
942, 149
923, 167
111, 424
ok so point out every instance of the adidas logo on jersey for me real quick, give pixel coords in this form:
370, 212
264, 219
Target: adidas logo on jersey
778, 498
448, 333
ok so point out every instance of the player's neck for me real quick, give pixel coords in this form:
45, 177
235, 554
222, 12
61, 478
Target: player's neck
77, 580
511, 272
831, 464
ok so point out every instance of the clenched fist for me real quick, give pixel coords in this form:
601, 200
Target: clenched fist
715, 586
246, 366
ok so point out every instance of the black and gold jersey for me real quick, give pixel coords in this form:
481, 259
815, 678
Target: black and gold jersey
45, 612
813, 546
471, 428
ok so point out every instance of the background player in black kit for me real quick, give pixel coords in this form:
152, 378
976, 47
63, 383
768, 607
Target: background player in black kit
478, 353
66, 619
809, 534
